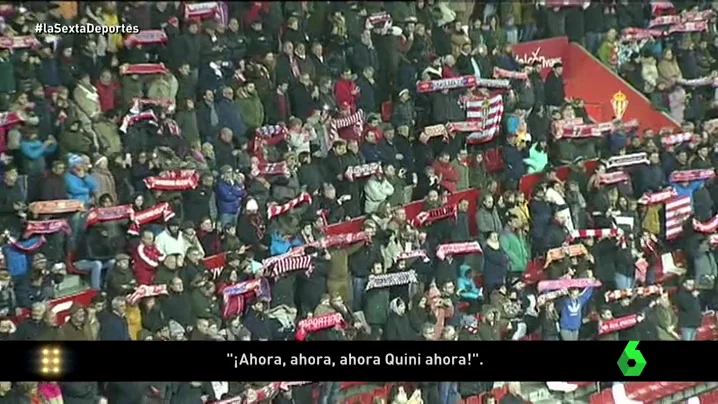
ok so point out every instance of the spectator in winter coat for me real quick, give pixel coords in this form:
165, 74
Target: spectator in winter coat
496, 264
113, 323
446, 171
554, 88
79, 184
229, 114
487, 218
229, 193
146, 258
514, 244
377, 189
689, 310
346, 91
402, 111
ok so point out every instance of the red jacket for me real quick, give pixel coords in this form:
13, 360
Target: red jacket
107, 95
448, 173
343, 93
146, 260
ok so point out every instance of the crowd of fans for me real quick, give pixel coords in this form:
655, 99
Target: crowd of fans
246, 130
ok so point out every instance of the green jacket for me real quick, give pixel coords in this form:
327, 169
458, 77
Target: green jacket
464, 173
7, 77
517, 248
251, 109
537, 160
376, 306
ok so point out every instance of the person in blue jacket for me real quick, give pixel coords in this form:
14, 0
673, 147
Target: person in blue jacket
230, 194
468, 291
33, 153
79, 184
16, 255
570, 310
281, 244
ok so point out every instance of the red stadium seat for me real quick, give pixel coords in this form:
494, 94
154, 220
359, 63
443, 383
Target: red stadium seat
386, 111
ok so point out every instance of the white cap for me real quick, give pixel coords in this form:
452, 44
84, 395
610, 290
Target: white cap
252, 205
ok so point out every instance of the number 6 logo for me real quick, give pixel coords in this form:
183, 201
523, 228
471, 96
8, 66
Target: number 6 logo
631, 353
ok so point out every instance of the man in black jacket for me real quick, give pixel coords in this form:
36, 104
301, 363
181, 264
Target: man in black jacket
554, 89
197, 201
689, 310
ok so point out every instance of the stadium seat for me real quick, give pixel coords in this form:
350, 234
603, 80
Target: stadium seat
386, 111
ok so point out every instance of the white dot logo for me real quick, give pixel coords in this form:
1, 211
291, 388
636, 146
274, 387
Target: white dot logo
51, 362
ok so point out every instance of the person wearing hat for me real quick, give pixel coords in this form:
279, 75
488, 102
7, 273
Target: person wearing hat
229, 194
79, 184
120, 279
402, 111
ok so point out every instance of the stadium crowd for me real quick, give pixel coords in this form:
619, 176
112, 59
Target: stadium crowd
189, 173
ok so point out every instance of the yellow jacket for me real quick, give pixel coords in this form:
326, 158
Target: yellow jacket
114, 41
134, 321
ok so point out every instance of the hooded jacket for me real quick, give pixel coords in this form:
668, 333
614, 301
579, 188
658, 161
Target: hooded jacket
466, 286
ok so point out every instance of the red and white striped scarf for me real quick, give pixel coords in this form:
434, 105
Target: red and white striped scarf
613, 232
290, 264
362, 170
169, 127
356, 119
617, 324
432, 131
678, 138
178, 180
146, 37
143, 291
294, 252
56, 207
318, 323
8, 119
627, 160
109, 214
639, 34
676, 212
263, 169
430, 216
342, 240
487, 112
557, 127
138, 104
566, 251
655, 198
595, 129
707, 227
132, 119
393, 279
19, 42
269, 131
159, 211
276, 210
544, 286
692, 175
378, 20
500, 73
444, 250
613, 178
33, 227
143, 68
613, 295
551, 296
200, 11
460, 82
406, 255
699, 82
693, 26
242, 288
465, 126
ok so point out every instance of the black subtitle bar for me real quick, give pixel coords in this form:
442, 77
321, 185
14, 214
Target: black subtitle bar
349, 361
